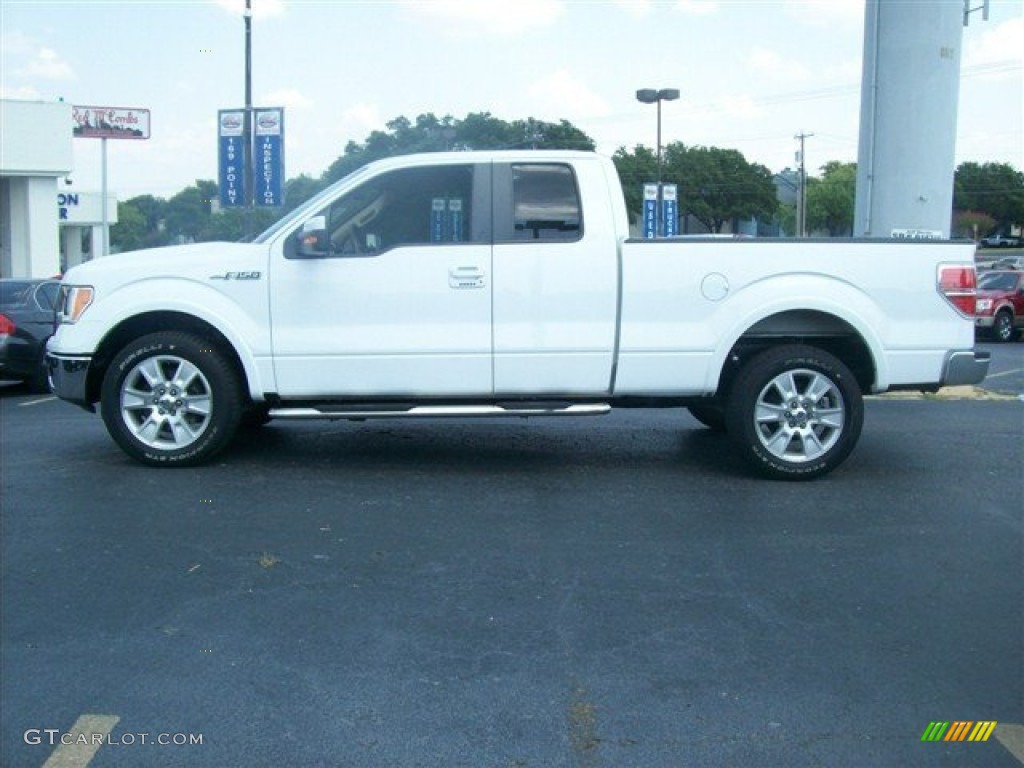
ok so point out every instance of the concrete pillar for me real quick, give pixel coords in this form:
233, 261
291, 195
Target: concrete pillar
909, 93
5, 227
34, 242
96, 241
72, 246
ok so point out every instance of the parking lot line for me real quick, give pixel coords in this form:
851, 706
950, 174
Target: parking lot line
37, 402
84, 738
1011, 736
1005, 373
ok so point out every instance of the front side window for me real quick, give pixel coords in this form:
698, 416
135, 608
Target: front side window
545, 203
410, 206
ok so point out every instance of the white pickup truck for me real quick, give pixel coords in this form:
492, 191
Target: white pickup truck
505, 283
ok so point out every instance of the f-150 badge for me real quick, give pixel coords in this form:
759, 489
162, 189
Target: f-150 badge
237, 276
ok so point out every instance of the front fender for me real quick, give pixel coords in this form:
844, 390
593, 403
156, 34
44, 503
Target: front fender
236, 309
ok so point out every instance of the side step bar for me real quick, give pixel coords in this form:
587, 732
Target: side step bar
441, 411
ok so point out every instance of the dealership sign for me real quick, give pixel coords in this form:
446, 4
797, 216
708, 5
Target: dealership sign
266, 163
110, 123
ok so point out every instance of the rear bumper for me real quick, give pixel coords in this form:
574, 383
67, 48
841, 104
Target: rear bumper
68, 377
966, 367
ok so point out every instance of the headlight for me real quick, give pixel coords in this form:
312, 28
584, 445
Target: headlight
983, 305
72, 302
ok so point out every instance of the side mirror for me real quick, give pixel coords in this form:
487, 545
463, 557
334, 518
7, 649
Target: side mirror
312, 240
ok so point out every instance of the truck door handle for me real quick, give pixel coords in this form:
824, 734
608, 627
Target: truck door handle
466, 277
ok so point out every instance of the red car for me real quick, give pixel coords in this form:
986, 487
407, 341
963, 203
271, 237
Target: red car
999, 307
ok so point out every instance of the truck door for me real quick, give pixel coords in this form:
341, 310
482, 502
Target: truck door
555, 279
387, 290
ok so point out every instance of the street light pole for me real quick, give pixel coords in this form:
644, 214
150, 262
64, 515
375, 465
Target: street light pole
247, 174
653, 96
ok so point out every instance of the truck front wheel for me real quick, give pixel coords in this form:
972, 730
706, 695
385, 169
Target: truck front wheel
171, 399
795, 412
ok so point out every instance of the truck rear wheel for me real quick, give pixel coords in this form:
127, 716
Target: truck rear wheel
171, 399
795, 412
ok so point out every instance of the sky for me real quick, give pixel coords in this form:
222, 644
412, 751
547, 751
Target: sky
752, 74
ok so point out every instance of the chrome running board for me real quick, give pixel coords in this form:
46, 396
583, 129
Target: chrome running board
441, 411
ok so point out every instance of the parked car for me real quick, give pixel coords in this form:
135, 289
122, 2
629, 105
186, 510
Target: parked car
26, 322
1011, 262
999, 304
999, 241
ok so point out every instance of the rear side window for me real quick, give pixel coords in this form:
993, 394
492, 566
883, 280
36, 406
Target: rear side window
545, 203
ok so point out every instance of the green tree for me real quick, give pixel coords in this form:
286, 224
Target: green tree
972, 224
719, 186
140, 224
635, 169
996, 189
716, 186
130, 231
830, 199
189, 211
428, 133
299, 189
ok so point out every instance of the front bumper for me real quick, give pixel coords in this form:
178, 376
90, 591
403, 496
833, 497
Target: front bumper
984, 321
964, 368
68, 376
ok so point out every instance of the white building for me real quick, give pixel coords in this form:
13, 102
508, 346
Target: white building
35, 158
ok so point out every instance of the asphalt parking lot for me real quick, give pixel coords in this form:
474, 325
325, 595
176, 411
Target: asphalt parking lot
607, 592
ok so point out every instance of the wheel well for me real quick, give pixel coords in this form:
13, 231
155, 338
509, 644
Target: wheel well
152, 322
816, 329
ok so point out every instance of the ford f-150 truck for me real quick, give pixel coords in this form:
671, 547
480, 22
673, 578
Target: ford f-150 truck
506, 283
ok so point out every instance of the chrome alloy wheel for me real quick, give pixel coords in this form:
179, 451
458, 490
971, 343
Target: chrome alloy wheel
166, 402
799, 415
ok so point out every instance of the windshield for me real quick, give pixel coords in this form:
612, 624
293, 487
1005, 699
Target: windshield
998, 281
14, 292
307, 208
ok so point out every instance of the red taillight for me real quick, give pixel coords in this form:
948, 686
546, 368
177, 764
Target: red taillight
7, 326
958, 285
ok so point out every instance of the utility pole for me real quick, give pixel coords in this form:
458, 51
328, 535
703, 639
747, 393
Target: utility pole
801, 200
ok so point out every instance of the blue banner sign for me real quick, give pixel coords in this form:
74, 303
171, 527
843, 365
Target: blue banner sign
437, 208
650, 211
669, 210
268, 162
231, 157
455, 220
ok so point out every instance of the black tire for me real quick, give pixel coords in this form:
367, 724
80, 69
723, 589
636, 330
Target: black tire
795, 412
1002, 328
171, 399
711, 416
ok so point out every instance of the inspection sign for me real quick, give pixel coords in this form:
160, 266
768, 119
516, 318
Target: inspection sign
268, 168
